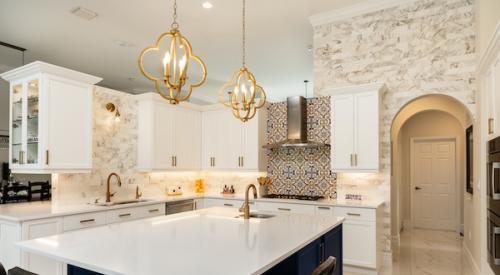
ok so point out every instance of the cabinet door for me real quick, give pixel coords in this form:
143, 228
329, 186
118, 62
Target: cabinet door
496, 93
32, 107
17, 100
366, 132
10, 254
359, 243
309, 258
211, 140
37, 229
231, 136
342, 132
332, 242
250, 156
491, 99
67, 123
186, 135
162, 137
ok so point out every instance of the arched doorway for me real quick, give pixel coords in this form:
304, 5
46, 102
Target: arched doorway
429, 119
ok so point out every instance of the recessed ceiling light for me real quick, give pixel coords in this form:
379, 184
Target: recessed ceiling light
207, 5
84, 13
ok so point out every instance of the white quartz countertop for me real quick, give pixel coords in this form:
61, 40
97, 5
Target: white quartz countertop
207, 241
20, 212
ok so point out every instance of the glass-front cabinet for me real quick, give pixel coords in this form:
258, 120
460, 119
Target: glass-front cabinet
50, 119
25, 107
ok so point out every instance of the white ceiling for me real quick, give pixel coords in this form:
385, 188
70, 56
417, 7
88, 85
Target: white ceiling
278, 36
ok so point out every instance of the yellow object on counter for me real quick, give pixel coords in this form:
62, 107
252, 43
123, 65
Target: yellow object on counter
199, 186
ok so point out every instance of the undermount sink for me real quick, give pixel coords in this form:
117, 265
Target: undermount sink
257, 216
120, 202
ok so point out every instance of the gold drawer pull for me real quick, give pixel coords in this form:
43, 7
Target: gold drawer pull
124, 215
324, 208
228, 204
354, 214
154, 210
284, 209
87, 221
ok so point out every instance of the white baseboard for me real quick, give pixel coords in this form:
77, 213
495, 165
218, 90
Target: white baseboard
359, 270
470, 259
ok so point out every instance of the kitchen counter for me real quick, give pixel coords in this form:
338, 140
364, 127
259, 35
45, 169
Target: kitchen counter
20, 212
207, 241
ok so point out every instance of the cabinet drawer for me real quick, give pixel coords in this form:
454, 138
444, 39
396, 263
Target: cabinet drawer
287, 207
354, 213
86, 220
324, 210
122, 215
150, 211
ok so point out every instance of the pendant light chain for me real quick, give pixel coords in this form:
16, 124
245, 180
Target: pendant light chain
244, 36
175, 25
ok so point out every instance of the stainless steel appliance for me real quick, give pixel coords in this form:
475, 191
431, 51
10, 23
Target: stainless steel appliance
493, 191
296, 115
179, 206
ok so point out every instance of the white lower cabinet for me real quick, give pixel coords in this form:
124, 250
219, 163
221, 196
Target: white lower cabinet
37, 229
362, 236
286, 207
12, 232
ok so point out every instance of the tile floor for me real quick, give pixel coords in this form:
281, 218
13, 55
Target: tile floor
426, 252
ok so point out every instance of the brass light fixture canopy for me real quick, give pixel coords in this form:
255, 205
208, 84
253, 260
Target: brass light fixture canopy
242, 93
175, 64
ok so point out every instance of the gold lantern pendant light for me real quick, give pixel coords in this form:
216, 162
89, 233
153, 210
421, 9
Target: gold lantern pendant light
242, 93
175, 64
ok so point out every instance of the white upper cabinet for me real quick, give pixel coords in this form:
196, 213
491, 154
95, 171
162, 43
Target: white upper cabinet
355, 127
50, 119
169, 136
229, 144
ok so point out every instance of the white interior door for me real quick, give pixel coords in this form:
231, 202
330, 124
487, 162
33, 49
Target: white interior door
432, 191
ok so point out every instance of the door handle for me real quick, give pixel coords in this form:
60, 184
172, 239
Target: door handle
355, 159
352, 162
490, 125
47, 157
417, 188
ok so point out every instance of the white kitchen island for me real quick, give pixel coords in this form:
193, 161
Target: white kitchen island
207, 241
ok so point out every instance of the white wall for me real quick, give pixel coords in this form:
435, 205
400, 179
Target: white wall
430, 124
488, 16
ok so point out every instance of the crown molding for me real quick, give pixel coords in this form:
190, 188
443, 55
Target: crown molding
492, 50
42, 67
354, 10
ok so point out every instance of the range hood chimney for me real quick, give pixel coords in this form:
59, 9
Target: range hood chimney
297, 126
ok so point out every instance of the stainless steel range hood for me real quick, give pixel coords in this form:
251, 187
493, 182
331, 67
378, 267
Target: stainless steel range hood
297, 126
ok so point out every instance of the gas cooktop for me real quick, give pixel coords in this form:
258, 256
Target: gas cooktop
294, 197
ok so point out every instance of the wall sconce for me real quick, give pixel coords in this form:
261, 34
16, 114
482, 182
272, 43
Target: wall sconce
113, 109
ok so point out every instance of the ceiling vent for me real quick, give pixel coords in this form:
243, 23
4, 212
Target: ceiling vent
84, 13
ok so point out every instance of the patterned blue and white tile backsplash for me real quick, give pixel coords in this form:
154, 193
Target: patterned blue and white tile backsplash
303, 171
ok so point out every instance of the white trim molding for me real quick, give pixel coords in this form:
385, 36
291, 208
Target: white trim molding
354, 10
470, 259
491, 51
